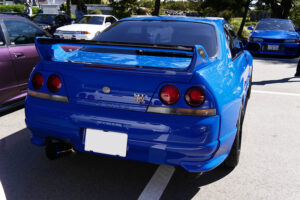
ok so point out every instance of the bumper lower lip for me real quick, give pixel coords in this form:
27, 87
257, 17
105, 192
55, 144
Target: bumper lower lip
182, 111
46, 96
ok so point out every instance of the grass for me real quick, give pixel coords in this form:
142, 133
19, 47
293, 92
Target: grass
236, 22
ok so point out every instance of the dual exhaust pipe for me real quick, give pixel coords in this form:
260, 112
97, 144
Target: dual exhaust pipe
57, 149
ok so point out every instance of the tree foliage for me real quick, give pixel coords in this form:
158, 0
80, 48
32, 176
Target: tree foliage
278, 8
123, 8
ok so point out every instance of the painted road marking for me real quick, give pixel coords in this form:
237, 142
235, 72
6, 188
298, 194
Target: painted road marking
2, 194
158, 183
276, 93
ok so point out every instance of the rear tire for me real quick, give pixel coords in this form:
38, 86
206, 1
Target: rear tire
234, 156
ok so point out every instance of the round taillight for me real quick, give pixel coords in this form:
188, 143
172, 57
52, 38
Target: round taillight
54, 83
195, 96
37, 81
169, 94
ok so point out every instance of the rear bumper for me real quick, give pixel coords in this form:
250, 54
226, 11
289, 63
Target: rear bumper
285, 49
187, 141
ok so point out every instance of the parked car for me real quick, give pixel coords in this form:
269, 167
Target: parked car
168, 90
86, 28
50, 22
18, 57
274, 37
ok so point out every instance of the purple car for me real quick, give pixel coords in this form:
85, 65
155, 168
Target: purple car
18, 57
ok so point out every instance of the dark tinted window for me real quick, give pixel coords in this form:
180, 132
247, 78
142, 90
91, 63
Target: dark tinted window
163, 32
232, 41
275, 25
91, 20
22, 32
46, 19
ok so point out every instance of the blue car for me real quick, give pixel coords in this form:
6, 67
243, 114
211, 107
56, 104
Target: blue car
274, 37
165, 90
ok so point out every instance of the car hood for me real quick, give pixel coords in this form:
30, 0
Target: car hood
275, 34
82, 27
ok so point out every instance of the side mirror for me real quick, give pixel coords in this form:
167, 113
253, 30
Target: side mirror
298, 30
107, 24
250, 28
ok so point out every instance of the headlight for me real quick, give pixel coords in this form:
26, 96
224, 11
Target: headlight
290, 41
58, 31
45, 27
258, 40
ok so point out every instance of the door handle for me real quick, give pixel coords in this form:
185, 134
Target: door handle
19, 55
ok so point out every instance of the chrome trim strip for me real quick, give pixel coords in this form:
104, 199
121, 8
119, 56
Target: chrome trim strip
182, 111
51, 97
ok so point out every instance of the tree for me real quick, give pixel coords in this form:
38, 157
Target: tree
156, 8
123, 8
246, 8
68, 11
279, 8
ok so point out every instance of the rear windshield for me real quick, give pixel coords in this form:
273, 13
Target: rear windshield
275, 25
47, 19
91, 20
175, 33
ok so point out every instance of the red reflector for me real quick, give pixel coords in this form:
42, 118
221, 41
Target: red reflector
195, 96
37, 81
54, 83
69, 48
169, 94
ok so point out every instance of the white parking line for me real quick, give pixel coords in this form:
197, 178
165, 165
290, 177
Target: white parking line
276, 93
2, 194
158, 183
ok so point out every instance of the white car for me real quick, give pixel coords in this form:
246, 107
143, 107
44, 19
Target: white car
86, 28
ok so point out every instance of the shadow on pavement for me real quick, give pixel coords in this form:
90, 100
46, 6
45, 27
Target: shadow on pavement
11, 110
283, 80
26, 173
183, 187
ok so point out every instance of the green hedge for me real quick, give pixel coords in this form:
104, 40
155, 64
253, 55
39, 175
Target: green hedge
16, 8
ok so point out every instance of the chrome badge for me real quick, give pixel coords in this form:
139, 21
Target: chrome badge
139, 98
106, 89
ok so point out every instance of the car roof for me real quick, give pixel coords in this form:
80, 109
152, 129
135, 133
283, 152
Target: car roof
3, 16
210, 20
266, 19
98, 15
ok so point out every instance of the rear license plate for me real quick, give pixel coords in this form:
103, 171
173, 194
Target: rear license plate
273, 47
106, 142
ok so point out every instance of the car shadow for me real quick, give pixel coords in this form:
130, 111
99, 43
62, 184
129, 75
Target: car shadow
26, 173
184, 186
283, 80
278, 59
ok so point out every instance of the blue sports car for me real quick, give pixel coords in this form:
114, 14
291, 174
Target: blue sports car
166, 90
274, 37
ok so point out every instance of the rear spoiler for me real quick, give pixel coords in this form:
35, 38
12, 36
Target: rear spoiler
50, 49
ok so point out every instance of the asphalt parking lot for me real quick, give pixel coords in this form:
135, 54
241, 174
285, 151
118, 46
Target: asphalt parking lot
268, 168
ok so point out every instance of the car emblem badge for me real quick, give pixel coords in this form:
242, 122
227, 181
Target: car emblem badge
139, 98
106, 89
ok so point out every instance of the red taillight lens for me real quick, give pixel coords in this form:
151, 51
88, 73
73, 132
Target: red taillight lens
54, 83
195, 96
37, 81
169, 94
250, 38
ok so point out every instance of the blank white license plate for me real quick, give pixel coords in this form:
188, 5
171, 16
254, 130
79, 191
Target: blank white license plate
273, 47
111, 143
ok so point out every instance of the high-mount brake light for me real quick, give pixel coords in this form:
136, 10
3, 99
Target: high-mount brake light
54, 83
195, 96
37, 81
169, 94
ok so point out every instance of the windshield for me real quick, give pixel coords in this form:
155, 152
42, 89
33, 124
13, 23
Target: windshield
175, 33
47, 19
275, 25
91, 20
